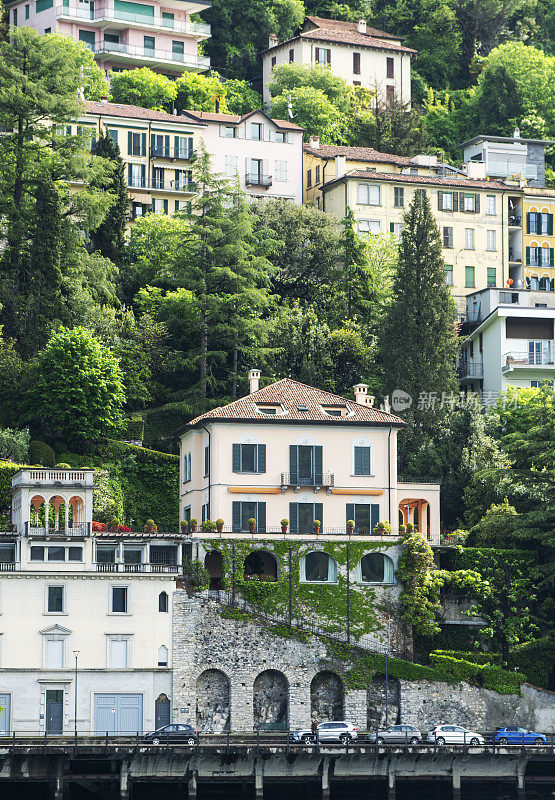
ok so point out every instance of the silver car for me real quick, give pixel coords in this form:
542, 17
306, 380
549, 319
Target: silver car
454, 734
397, 734
327, 732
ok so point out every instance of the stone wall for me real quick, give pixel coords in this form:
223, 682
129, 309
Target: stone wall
233, 673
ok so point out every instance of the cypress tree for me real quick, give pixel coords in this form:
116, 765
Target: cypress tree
109, 237
417, 343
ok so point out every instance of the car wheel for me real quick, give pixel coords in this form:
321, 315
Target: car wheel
503, 741
307, 739
474, 742
344, 738
539, 741
414, 740
380, 741
156, 740
440, 741
191, 740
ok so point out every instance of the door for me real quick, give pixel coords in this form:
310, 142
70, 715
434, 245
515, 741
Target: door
161, 711
306, 470
5, 708
306, 517
118, 713
54, 711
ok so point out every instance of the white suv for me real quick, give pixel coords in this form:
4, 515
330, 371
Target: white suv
454, 734
327, 732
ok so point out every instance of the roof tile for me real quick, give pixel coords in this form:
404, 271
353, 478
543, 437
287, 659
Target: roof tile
135, 112
358, 154
434, 181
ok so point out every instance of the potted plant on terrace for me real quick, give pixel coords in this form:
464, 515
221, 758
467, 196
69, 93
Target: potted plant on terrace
193, 525
402, 528
350, 526
410, 527
382, 528
316, 526
150, 526
184, 526
284, 525
220, 525
252, 525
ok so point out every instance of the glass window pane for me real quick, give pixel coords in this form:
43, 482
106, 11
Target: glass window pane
132, 555
56, 554
248, 458
7, 553
317, 567
248, 511
75, 554
37, 553
362, 519
372, 568
119, 599
105, 554
55, 599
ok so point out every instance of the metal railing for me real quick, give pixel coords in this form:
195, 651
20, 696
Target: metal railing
471, 370
77, 531
313, 533
186, 187
108, 15
10, 566
152, 54
515, 359
175, 153
101, 566
256, 179
294, 479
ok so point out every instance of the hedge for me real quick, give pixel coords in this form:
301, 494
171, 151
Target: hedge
474, 658
134, 429
7, 471
489, 676
41, 453
537, 660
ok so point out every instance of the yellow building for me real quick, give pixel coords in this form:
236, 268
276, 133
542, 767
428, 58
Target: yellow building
158, 150
472, 214
538, 208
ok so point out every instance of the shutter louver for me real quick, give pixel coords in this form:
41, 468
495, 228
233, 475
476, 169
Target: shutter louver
167, 146
455, 201
318, 471
129, 175
176, 146
328, 56
461, 201
236, 458
527, 256
350, 509
261, 520
440, 201
550, 224
374, 516
129, 143
293, 463
143, 144
143, 175
528, 222
236, 516
153, 143
293, 518
261, 458
476, 203
358, 460
365, 460
550, 256
319, 514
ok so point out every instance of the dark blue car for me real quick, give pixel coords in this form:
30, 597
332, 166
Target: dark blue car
514, 735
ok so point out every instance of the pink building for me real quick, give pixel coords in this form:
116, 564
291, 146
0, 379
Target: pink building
123, 34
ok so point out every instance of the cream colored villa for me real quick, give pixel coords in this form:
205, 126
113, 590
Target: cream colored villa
291, 451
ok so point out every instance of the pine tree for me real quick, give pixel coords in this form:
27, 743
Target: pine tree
109, 237
417, 342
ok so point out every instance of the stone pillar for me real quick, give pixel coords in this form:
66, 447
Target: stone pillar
258, 780
390, 785
299, 705
520, 786
356, 708
192, 786
66, 507
240, 705
124, 782
456, 786
326, 779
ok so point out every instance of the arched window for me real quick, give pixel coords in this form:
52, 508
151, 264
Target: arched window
534, 282
163, 656
545, 283
318, 567
260, 564
376, 568
163, 601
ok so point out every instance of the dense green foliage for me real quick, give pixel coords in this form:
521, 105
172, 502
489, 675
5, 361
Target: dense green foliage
14, 444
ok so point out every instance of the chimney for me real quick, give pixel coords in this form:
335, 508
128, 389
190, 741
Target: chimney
314, 142
273, 40
103, 99
361, 392
361, 26
516, 133
254, 377
340, 166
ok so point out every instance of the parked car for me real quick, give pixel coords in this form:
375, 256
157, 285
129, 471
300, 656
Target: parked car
454, 734
397, 734
175, 734
512, 734
327, 732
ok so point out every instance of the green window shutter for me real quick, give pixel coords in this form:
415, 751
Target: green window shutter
165, 206
129, 174
358, 461
261, 458
143, 174
392, 227
129, 143
528, 222
42, 5
167, 146
476, 203
175, 146
236, 458
362, 461
318, 470
143, 144
549, 225
550, 256
461, 201
528, 256
350, 509
455, 201
319, 513
440, 201
152, 142
293, 463
293, 518
261, 518
236, 516
190, 146
128, 10
374, 516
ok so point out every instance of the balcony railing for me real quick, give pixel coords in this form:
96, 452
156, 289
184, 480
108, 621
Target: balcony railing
294, 479
515, 359
187, 187
109, 15
174, 153
136, 568
471, 370
273, 532
9, 566
78, 531
152, 54
256, 179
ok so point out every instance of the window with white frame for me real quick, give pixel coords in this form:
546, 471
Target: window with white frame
369, 226
230, 132
281, 137
446, 201
469, 238
318, 567
368, 194
54, 651
55, 599
186, 467
281, 170
119, 652
469, 202
163, 656
231, 165
119, 600
376, 568
256, 131
490, 240
490, 204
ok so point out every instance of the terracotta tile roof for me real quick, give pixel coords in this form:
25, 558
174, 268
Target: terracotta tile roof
342, 25
292, 394
233, 119
135, 112
358, 154
420, 179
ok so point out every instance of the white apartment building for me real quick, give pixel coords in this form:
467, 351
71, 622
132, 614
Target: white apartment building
361, 55
510, 340
82, 612
291, 451
266, 154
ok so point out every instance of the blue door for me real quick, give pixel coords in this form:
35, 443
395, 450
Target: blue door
5, 707
54, 710
118, 714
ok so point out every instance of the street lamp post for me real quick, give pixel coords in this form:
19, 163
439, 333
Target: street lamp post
76, 654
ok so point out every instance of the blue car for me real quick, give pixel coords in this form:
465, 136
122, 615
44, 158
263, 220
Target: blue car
514, 735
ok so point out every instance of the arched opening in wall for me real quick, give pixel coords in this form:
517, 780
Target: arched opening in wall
260, 564
416, 511
36, 512
213, 563
318, 567
271, 701
163, 656
326, 697
376, 701
213, 708
163, 602
161, 711
76, 512
376, 568
57, 513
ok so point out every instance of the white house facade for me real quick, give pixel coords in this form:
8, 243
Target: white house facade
293, 452
361, 55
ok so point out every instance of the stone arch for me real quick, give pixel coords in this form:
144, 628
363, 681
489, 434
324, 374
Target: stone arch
317, 566
37, 506
261, 563
214, 564
376, 701
376, 568
271, 701
77, 507
213, 709
57, 512
327, 697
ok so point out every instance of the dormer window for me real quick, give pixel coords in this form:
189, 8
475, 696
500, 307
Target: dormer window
302, 408
335, 411
270, 409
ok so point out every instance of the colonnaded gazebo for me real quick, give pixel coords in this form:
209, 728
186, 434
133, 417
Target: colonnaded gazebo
56, 501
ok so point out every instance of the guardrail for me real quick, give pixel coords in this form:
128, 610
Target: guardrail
152, 54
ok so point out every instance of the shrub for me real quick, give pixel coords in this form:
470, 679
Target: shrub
150, 523
14, 444
196, 574
537, 660
382, 526
316, 523
134, 429
62, 465
252, 522
284, 523
208, 526
220, 522
41, 453
99, 526
490, 676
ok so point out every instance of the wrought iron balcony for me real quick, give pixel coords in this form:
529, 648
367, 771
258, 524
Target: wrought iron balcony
545, 358
173, 153
74, 531
257, 179
316, 479
102, 566
471, 370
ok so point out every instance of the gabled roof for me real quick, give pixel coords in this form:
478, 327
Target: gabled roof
290, 395
467, 184
358, 154
234, 119
135, 112
342, 25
